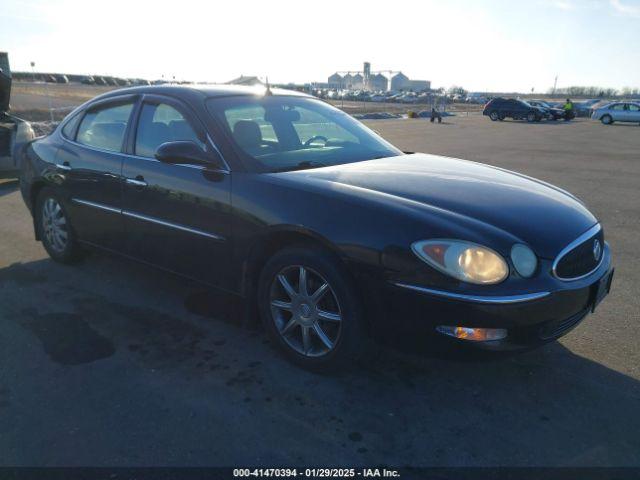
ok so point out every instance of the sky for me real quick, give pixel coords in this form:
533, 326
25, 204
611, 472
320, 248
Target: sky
481, 45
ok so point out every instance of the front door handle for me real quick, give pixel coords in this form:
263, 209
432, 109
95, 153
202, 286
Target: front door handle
138, 181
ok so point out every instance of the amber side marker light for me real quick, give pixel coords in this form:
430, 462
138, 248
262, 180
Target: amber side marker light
473, 334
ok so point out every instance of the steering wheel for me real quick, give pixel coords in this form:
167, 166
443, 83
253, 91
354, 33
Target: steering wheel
315, 137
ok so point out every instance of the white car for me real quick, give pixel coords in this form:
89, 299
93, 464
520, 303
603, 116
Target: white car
618, 112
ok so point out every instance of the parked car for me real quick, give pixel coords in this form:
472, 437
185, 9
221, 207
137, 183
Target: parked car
552, 113
501, 108
583, 108
618, 112
476, 98
14, 131
336, 235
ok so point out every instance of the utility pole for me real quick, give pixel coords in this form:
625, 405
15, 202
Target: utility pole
555, 83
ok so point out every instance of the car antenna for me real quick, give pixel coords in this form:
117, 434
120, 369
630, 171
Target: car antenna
268, 91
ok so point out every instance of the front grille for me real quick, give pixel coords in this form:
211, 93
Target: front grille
580, 260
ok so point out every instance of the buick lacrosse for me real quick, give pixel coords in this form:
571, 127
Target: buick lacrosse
335, 235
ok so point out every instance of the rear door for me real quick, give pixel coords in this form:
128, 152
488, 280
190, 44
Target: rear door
91, 155
176, 216
513, 108
617, 112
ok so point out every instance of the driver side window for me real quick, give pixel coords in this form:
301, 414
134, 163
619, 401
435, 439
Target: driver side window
160, 123
253, 114
312, 124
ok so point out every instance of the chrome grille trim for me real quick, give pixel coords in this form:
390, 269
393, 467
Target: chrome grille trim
592, 232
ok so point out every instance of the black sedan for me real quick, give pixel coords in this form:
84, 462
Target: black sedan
500, 108
334, 234
552, 113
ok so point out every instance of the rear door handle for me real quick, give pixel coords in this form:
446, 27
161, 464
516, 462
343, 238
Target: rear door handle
138, 181
65, 167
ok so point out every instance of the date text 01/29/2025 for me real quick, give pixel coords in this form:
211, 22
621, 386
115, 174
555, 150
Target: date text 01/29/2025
316, 472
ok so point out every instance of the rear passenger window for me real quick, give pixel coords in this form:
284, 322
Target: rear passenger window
105, 127
70, 127
159, 124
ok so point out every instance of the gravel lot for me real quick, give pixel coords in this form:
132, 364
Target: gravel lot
113, 364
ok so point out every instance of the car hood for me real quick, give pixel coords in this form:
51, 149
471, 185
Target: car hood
543, 216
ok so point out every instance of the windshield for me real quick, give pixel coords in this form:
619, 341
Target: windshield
279, 133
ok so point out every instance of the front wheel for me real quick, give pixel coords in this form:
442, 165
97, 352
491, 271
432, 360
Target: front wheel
531, 117
606, 119
311, 309
54, 228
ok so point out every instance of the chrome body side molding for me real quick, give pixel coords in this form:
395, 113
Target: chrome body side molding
164, 223
149, 219
99, 206
496, 300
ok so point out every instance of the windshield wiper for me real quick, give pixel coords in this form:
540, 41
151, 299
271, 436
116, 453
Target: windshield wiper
302, 166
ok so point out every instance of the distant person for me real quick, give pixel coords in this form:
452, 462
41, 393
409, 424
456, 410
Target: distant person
568, 110
435, 114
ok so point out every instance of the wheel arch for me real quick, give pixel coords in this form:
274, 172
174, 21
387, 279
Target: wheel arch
275, 239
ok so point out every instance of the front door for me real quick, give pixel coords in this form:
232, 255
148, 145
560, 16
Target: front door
176, 216
633, 114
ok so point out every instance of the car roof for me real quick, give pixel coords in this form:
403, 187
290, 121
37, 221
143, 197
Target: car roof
193, 91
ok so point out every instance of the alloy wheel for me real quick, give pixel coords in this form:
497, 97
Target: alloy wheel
54, 225
305, 311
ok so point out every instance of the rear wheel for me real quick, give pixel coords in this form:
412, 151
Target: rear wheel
606, 119
531, 117
54, 228
311, 309
494, 116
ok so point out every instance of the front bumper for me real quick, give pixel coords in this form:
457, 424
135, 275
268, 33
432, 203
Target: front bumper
531, 318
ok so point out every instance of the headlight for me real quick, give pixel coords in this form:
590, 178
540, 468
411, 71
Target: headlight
465, 261
524, 260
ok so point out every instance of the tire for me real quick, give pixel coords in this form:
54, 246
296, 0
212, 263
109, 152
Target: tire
531, 117
501, 117
494, 116
606, 119
337, 313
54, 228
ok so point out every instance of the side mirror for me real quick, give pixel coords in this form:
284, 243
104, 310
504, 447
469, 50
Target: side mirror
182, 152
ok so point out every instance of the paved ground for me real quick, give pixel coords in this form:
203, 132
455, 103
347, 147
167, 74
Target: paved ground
111, 363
